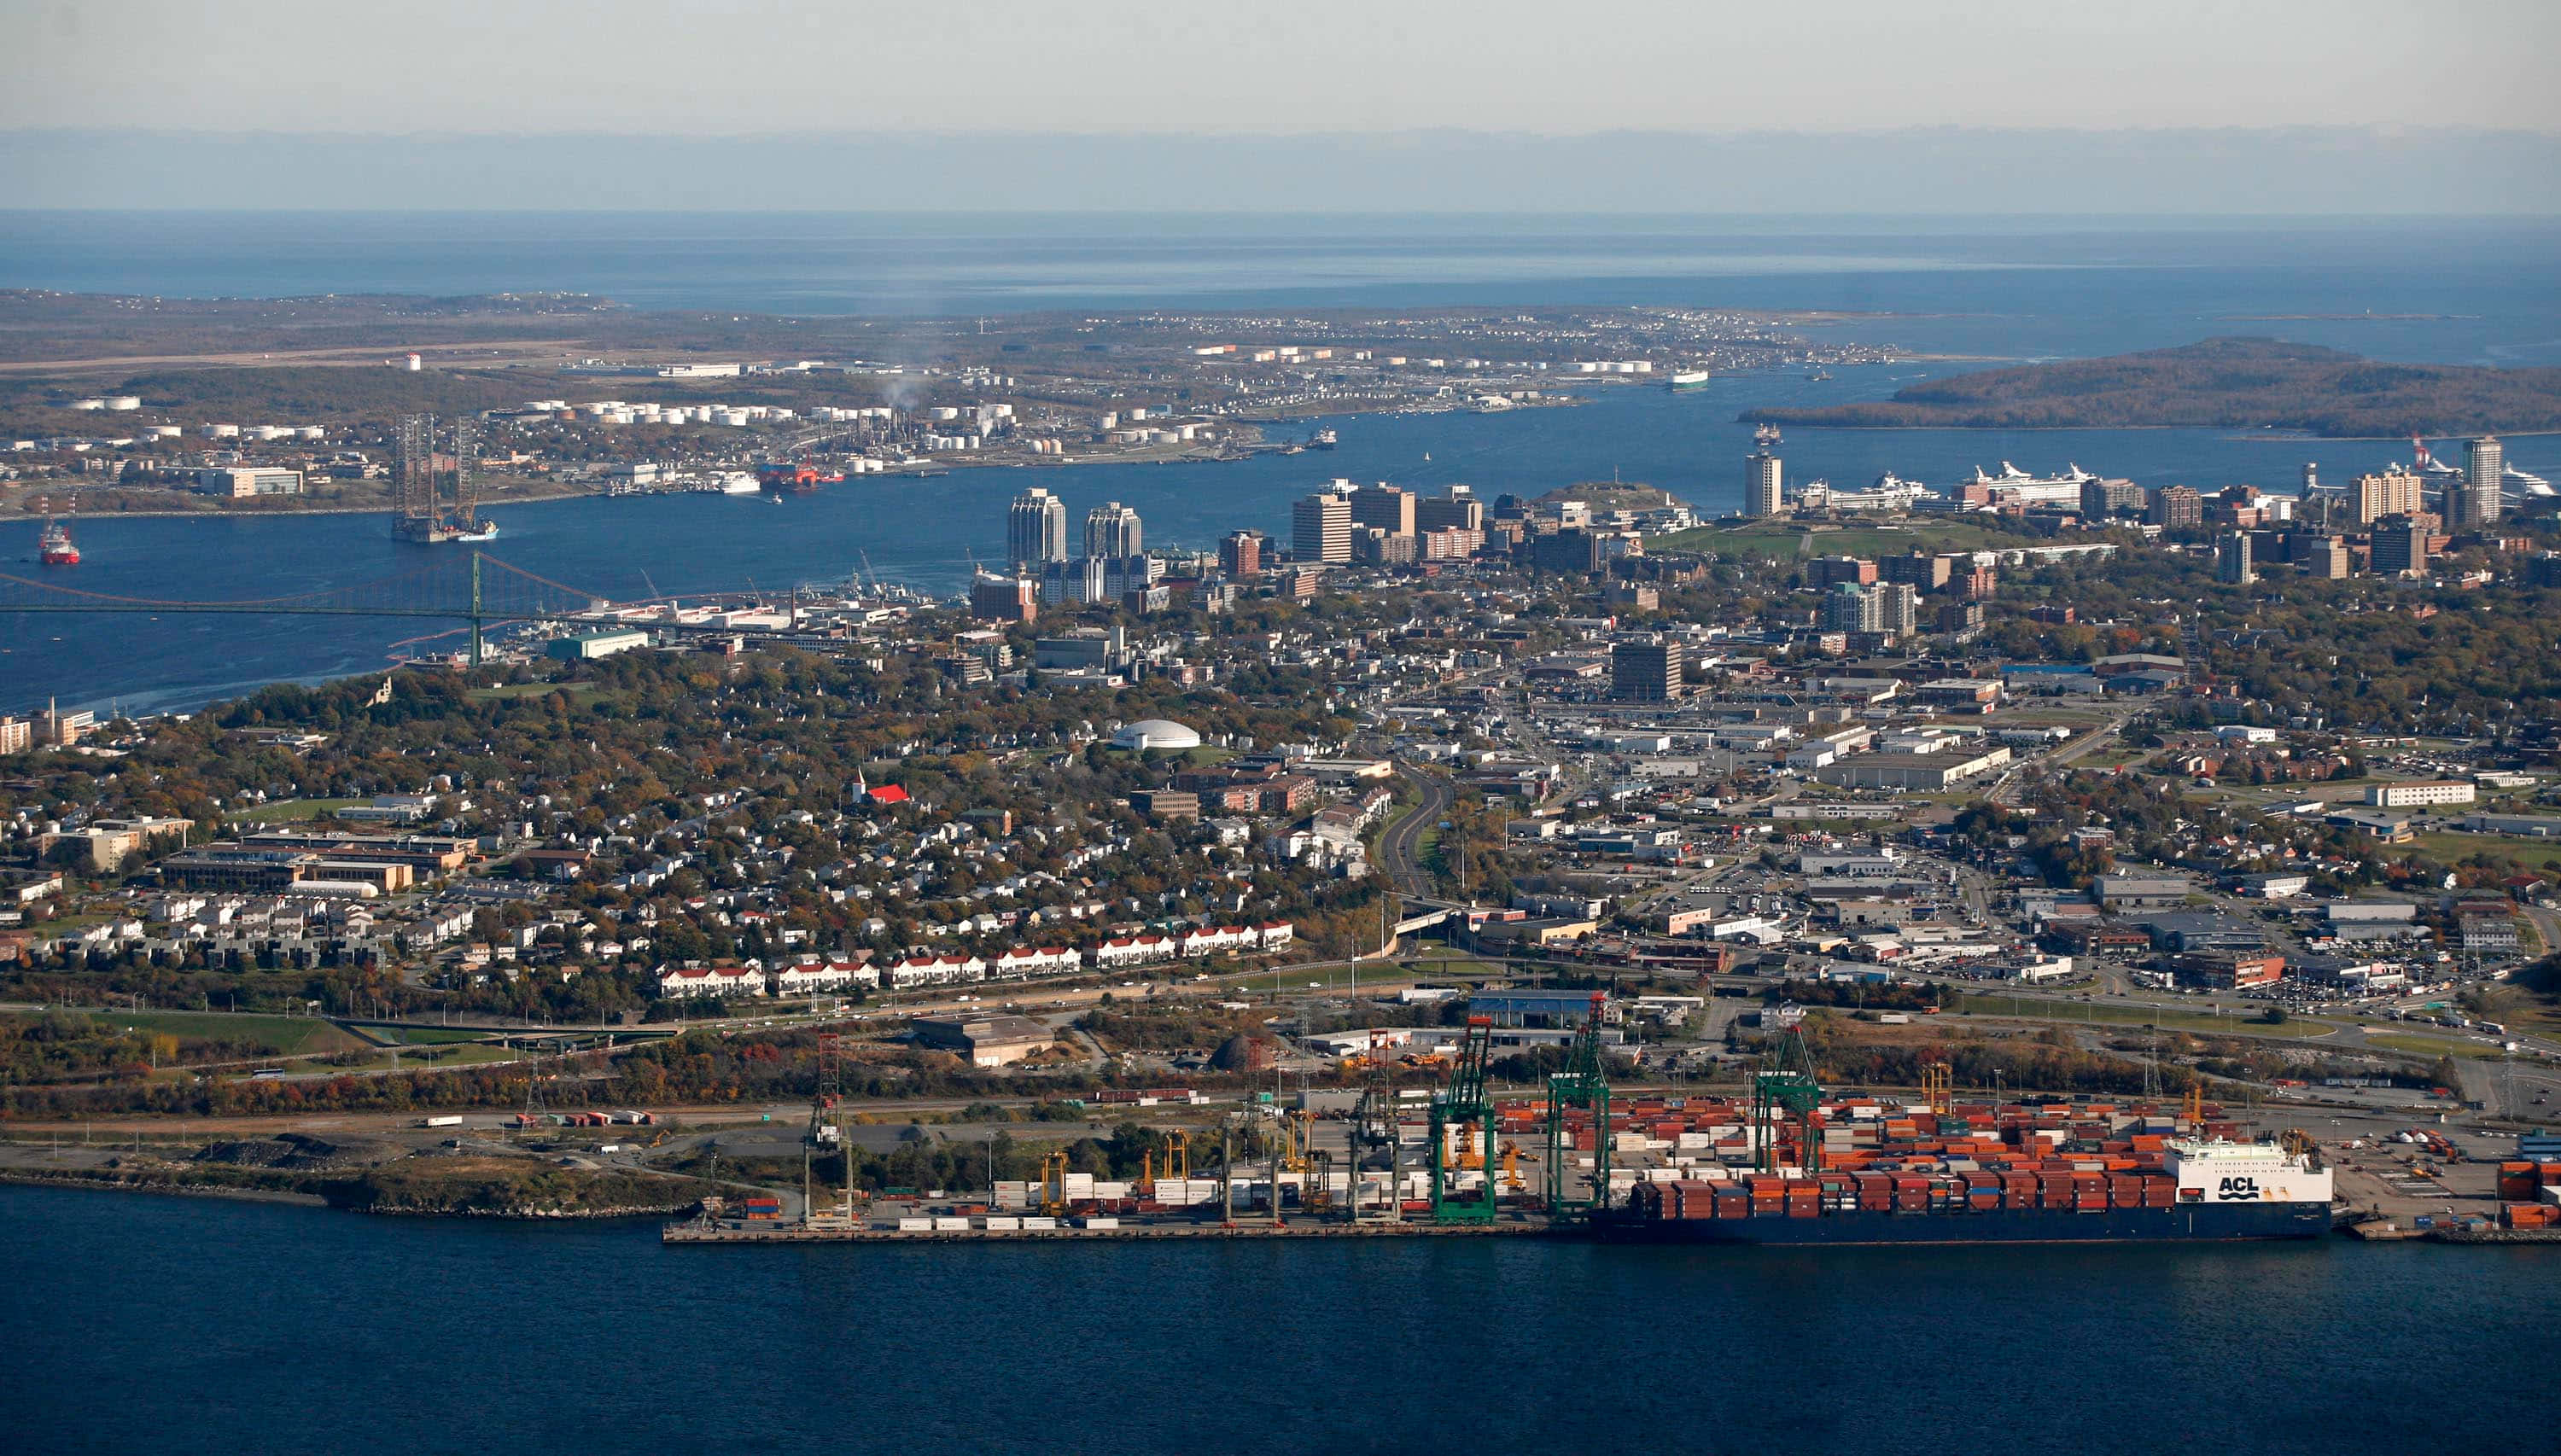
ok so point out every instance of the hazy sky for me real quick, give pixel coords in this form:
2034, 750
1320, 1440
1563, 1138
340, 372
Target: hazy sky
1554, 66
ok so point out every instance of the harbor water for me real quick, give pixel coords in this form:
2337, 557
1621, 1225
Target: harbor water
2447, 290
255, 1327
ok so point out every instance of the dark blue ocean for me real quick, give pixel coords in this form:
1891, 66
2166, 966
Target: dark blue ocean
2489, 291
138, 1323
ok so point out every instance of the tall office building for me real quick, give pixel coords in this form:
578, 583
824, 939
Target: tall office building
2395, 492
2400, 547
1077, 582
1647, 671
2232, 560
1111, 530
1883, 607
1320, 527
1124, 575
1919, 570
1385, 506
1004, 599
1764, 489
2319, 555
1240, 555
2111, 498
2484, 484
1460, 508
1036, 528
1831, 570
1898, 609
2176, 506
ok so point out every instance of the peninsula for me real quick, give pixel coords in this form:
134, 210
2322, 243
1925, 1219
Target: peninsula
2218, 384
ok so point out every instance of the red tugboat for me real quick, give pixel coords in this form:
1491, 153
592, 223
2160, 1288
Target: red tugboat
56, 547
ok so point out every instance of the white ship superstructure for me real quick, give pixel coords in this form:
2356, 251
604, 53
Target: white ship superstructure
2013, 486
1891, 494
2245, 1173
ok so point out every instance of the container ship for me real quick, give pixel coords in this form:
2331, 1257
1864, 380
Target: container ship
56, 547
2214, 1190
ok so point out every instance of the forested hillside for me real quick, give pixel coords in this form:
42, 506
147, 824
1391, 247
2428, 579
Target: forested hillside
2231, 383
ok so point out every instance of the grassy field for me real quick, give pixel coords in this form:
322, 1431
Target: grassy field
1786, 541
1427, 852
2418, 1046
453, 1054
280, 1036
2529, 856
423, 1035
1336, 977
2101, 1013
506, 690
291, 811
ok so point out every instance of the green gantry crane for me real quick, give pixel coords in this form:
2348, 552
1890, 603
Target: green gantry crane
1464, 1106
1785, 1085
1582, 1084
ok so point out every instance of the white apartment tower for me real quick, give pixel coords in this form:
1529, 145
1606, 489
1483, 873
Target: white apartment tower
1764, 493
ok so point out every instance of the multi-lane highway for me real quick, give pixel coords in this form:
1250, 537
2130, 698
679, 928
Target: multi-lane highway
1400, 846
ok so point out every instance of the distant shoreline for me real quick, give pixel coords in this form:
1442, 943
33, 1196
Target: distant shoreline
2272, 434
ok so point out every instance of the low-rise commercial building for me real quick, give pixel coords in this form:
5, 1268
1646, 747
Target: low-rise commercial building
1910, 773
988, 1040
240, 482
2413, 793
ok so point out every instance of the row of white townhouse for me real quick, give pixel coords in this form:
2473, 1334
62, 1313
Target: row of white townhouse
817, 976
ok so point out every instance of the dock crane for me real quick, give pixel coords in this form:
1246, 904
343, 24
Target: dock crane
1784, 1088
823, 1131
1374, 1132
1583, 1085
1463, 1111
1053, 1183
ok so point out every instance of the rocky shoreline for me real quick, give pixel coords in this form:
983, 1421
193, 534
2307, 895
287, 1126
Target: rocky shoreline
468, 1191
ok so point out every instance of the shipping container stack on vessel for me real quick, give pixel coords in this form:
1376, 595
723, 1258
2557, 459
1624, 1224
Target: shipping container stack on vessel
1868, 1172
2529, 1186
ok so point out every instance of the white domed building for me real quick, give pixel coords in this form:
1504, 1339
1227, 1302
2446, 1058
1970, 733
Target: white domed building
1155, 733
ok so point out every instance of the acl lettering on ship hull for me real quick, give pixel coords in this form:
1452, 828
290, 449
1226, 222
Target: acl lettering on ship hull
2245, 1173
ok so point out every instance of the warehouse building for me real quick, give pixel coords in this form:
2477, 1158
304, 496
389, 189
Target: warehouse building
243, 481
988, 1040
1910, 773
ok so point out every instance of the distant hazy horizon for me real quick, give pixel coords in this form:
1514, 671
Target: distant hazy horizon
1918, 172
743, 68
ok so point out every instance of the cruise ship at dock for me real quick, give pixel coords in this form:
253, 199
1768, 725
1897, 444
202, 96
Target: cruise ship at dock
2013, 486
1890, 495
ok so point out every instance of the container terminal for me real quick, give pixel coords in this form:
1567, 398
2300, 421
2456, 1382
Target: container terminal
1788, 1163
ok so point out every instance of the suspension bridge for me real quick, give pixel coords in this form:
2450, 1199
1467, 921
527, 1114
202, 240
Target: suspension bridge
479, 589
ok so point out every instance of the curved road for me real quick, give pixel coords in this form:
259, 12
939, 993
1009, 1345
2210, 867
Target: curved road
1397, 846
